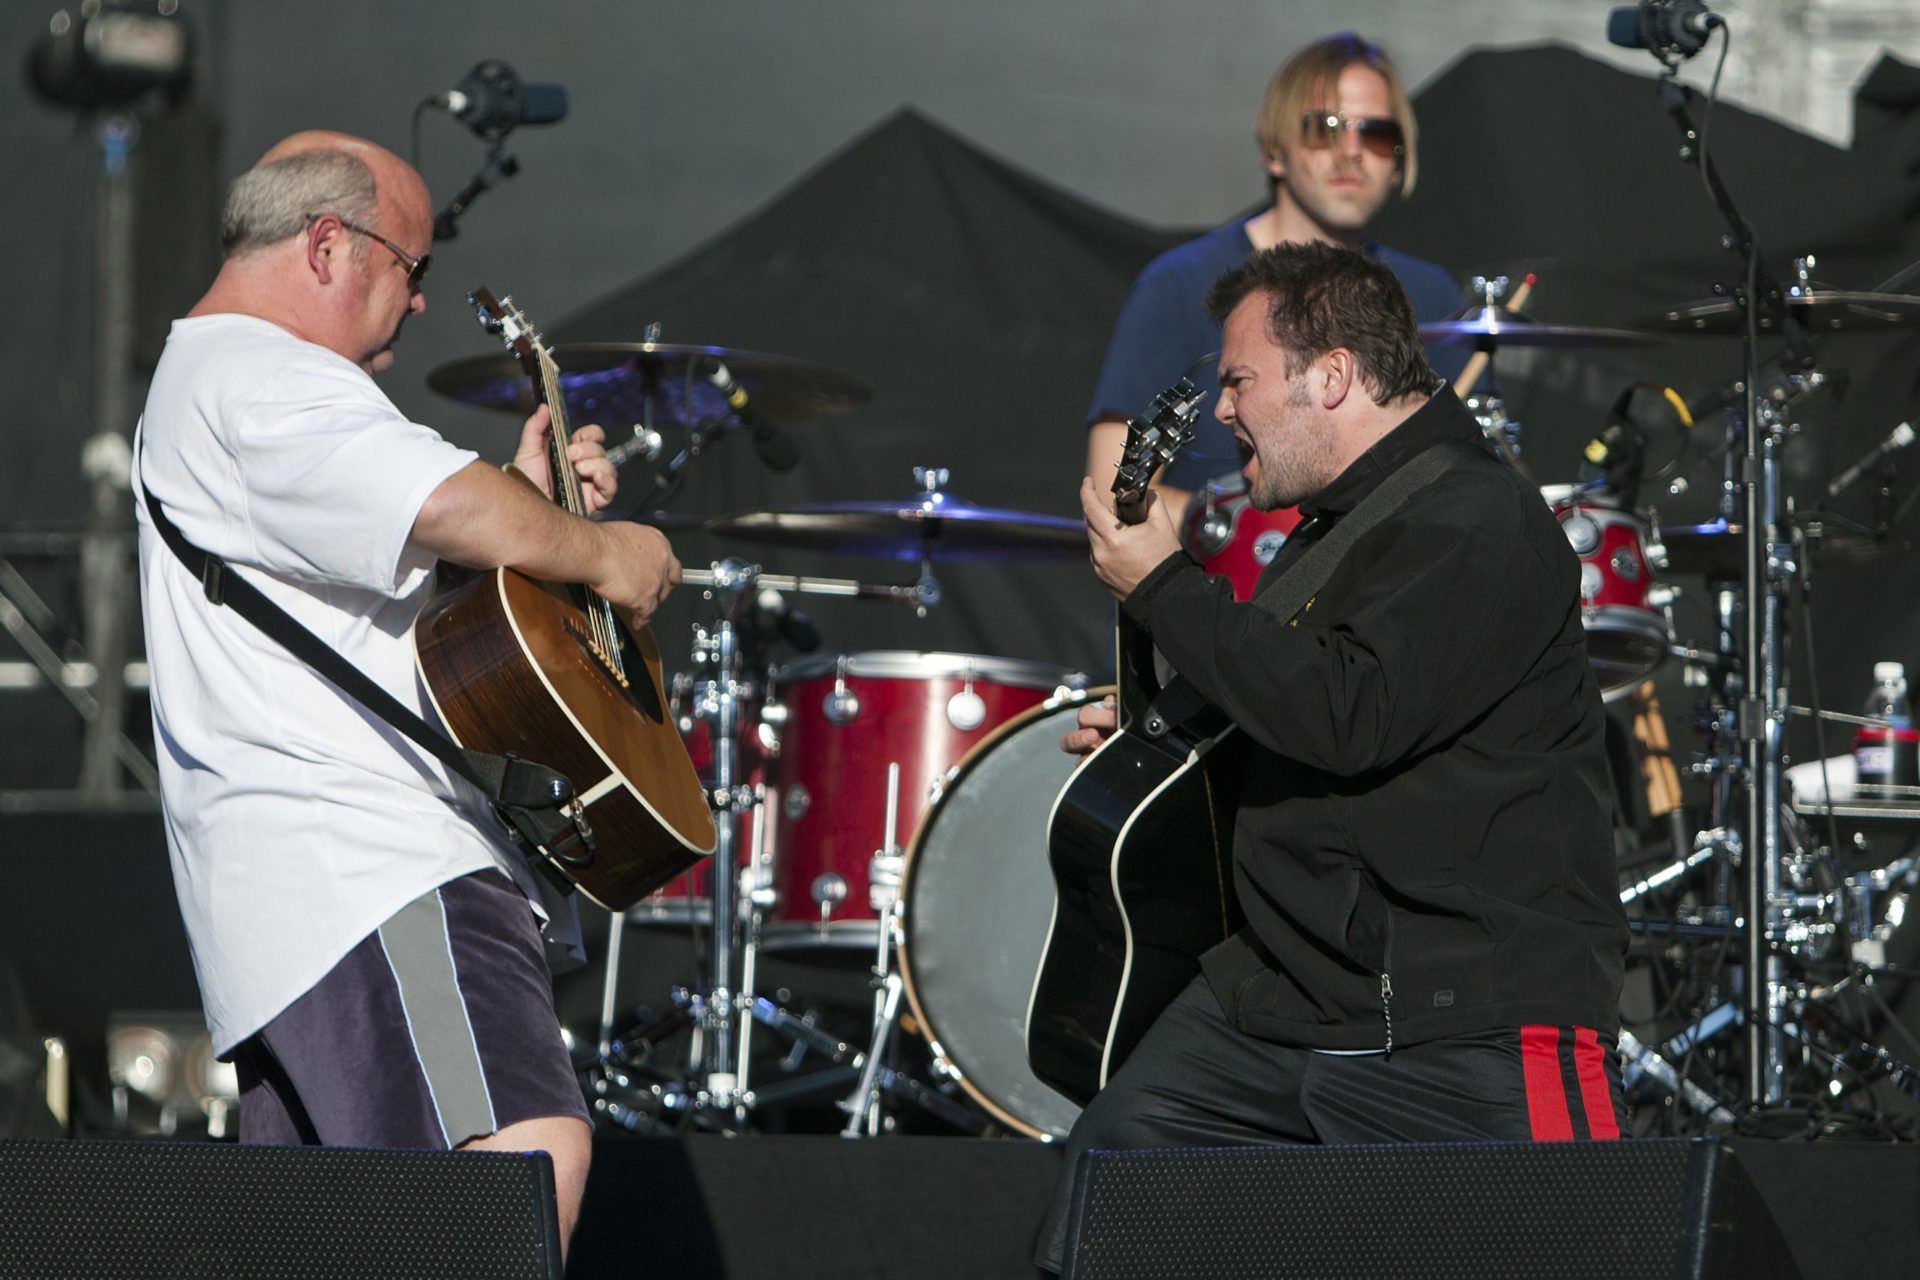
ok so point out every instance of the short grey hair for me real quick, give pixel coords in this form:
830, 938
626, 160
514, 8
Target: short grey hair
270, 202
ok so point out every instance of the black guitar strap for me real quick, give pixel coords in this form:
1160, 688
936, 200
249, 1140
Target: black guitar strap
1285, 595
528, 797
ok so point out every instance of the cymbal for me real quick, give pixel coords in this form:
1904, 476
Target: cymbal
924, 527
1719, 549
618, 384
1488, 327
664, 519
1820, 311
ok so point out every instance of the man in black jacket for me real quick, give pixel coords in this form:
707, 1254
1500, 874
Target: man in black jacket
1434, 942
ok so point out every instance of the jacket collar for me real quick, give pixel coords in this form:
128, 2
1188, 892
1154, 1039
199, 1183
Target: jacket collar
1441, 418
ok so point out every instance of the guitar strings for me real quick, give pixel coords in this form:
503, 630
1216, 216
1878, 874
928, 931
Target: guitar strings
600, 618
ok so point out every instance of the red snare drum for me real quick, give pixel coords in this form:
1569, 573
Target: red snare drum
1228, 535
1626, 634
843, 719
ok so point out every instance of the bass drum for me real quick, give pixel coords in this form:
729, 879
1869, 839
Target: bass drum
978, 894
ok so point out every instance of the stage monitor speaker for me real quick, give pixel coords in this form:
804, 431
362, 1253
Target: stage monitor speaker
1661, 1208
138, 1209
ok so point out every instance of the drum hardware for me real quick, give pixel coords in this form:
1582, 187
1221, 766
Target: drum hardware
1463, 386
884, 869
1641, 1060
800, 584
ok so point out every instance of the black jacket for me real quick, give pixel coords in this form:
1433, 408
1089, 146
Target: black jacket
1423, 838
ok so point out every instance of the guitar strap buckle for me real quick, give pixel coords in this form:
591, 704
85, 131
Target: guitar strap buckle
213, 579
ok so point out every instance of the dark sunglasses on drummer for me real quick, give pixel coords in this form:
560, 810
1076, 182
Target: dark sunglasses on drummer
1379, 135
416, 267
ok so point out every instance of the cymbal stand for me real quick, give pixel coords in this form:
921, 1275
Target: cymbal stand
722, 1030
1760, 712
715, 1068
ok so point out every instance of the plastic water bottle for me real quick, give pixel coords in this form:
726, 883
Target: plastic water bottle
1887, 757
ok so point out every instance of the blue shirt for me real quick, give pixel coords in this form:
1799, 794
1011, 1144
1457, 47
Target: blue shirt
1164, 328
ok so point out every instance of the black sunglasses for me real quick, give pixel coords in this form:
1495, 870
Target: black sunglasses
1379, 135
416, 267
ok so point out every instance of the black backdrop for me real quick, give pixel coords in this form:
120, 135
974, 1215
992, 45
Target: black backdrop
976, 300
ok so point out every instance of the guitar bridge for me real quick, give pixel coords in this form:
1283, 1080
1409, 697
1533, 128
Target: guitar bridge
586, 641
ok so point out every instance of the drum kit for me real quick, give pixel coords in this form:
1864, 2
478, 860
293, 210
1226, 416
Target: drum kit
886, 809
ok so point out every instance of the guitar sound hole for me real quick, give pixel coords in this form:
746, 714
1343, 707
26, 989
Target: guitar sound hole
637, 688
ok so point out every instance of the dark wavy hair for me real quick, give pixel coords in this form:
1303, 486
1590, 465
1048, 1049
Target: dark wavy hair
1320, 297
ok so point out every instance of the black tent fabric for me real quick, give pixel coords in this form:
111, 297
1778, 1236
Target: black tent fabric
977, 299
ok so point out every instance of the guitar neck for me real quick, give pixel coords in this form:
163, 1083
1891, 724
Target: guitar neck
567, 491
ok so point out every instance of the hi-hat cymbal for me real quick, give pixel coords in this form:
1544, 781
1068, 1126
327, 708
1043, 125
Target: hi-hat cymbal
1819, 311
927, 526
658, 383
1488, 327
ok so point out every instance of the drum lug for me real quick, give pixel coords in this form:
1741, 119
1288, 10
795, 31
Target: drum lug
842, 706
829, 890
966, 710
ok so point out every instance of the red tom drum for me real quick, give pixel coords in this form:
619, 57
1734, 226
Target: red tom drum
842, 720
1231, 537
1626, 632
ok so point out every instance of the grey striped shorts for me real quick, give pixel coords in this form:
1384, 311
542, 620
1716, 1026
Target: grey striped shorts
436, 1028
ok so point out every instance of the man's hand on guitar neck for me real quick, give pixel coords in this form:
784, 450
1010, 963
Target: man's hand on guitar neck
1122, 553
587, 450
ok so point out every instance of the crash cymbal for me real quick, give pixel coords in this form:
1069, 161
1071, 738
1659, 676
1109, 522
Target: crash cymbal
1820, 311
1488, 327
618, 384
1718, 548
927, 526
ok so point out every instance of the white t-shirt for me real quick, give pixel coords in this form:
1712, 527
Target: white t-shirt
297, 820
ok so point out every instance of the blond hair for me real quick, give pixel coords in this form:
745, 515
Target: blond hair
1312, 75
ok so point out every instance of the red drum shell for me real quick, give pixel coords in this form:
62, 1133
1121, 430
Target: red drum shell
1626, 634
846, 718
1230, 537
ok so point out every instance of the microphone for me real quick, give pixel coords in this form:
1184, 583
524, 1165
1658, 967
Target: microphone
775, 612
1676, 27
775, 447
493, 101
1900, 437
1614, 458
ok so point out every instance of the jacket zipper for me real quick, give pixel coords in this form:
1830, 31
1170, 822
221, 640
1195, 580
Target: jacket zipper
1386, 1007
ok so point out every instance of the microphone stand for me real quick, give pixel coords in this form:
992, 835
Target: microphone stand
499, 167
1762, 707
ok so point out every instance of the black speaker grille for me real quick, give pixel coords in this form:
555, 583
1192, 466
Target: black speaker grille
1473, 1211
139, 1209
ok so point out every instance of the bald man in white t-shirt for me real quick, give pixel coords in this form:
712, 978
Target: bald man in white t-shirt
366, 942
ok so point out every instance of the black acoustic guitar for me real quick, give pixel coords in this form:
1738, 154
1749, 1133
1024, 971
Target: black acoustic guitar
1138, 839
550, 673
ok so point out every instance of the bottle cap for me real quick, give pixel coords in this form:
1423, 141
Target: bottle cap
1889, 671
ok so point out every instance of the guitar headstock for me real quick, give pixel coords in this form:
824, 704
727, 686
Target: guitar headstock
508, 323
1154, 438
